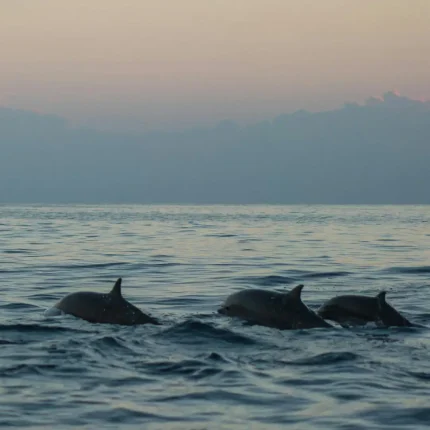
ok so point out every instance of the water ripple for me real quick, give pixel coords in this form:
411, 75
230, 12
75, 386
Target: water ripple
200, 370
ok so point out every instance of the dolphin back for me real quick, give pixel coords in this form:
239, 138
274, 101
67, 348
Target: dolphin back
350, 309
272, 309
110, 308
389, 316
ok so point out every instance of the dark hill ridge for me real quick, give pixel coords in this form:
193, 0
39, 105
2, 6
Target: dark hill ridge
375, 153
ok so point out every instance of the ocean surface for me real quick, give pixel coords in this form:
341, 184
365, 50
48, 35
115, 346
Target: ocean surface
201, 370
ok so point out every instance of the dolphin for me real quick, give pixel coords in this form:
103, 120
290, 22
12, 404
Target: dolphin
284, 311
110, 308
360, 310
389, 316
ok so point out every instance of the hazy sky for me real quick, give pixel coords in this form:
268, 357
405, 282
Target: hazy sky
171, 64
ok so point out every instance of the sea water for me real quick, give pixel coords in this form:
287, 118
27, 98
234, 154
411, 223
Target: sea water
200, 369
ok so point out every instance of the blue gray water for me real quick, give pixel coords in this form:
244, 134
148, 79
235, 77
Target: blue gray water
201, 370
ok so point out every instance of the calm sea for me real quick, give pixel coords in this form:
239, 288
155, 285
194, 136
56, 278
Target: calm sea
201, 370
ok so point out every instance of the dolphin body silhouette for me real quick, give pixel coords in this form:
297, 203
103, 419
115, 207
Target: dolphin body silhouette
110, 308
284, 311
389, 316
359, 310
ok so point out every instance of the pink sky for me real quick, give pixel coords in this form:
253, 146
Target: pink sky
134, 64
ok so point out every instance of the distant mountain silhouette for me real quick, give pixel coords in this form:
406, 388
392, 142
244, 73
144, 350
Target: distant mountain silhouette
378, 152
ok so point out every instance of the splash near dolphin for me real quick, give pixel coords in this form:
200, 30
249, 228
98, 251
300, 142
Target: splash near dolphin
108, 308
284, 311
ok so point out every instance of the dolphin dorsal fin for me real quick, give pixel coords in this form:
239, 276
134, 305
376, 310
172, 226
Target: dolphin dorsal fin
381, 298
296, 292
116, 290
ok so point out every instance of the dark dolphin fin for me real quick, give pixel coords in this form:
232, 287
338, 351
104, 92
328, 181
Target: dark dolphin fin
293, 296
296, 292
116, 290
389, 316
380, 298
301, 315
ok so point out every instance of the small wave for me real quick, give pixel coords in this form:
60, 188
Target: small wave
15, 271
27, 369
267, 281
403, 417
412, 270
325, 275
127, 381
272, 280
36, 328
250, 239
200, 332
191, 369
17, 251
110, 343
423, 318
215, 356
325, 358
91, 266
124, 414
220, 235
217, 395
183, 367
14, 306
47, 297
163, 264
8, 342
155, 263
423, 376
187, 300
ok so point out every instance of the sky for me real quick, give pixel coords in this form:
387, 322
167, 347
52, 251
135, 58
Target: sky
146, 65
